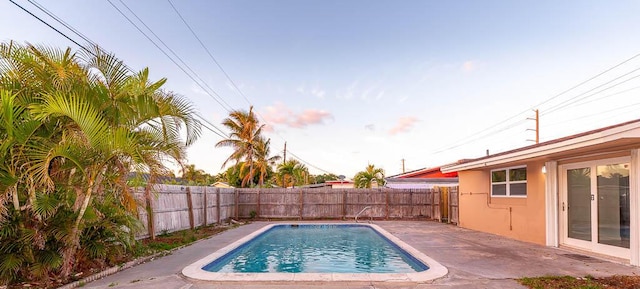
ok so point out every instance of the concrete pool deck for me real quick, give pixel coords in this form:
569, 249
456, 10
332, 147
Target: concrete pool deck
474, 260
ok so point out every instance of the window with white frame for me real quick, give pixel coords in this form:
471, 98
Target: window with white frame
510, 182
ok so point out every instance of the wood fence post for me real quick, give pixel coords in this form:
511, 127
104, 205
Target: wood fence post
449, 206
301, 204
386, 208
258, 209
218, 206
149, 207
344, 204
190, 206
433, 202
411, 203
237, 201
204, 204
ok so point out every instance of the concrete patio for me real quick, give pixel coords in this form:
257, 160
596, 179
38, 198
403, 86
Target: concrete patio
474, 260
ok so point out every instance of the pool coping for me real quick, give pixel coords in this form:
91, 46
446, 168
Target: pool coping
435, 271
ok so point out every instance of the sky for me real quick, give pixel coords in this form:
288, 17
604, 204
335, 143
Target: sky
351, 83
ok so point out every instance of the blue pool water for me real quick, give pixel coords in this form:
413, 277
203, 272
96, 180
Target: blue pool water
318, 249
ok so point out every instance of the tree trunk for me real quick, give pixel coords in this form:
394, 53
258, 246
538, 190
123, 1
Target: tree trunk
73, 241
13, 190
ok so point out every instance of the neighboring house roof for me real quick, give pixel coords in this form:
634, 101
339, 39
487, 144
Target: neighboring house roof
316, 186
340, 182
424, 173
620, 136
223, 185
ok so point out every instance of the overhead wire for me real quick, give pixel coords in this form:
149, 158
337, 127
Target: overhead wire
167, 55
581, 96
590, 79
227, 76
466, 140
88, 40
209, 53
228, 107
49, 25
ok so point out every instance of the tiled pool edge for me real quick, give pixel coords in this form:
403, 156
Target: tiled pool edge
436, 270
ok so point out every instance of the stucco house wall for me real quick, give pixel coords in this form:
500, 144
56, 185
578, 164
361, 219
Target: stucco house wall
521, 218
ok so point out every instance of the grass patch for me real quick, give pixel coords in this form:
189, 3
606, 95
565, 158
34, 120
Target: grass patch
170, 241
588, 282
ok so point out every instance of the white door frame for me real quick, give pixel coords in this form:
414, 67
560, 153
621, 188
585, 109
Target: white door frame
593, 245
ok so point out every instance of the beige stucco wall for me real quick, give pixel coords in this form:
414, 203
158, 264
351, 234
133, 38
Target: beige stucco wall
515, 217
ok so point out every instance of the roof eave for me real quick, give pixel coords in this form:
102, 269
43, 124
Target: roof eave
541, 151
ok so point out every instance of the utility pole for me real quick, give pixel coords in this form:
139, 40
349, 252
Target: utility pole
284, 159
537, 129
403, 166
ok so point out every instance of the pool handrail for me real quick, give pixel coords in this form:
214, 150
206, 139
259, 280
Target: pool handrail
362, 211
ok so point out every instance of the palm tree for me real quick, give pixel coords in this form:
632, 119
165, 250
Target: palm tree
365, 178
291, 173
264, 162
244, 139
84, 122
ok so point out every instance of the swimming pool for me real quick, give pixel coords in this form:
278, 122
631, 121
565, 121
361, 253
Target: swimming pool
317, 252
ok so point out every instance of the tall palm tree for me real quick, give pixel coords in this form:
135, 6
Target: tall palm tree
365, 178
244, 139
85, 122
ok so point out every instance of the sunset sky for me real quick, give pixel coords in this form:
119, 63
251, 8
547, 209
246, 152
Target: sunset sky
351, 83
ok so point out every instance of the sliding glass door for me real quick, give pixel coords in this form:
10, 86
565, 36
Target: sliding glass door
595, 206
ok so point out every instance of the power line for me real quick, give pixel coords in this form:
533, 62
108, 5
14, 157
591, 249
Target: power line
167, 55
592, 115
53, 28
578, 97
209, 53
87, 39
228, 77
466, 140
590, 79
205, 123
309, 164
607, 96
61, 21
175, 54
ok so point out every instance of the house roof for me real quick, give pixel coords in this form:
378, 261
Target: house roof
622, 135
424, 173
422, 180
221, 185
420, 183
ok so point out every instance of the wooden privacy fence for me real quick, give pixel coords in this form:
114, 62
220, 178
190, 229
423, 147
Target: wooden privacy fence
167, 208
327, 203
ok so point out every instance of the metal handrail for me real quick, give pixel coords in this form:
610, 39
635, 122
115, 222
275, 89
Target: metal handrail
362, 211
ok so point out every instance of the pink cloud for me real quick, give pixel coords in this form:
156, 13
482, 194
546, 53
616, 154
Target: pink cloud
309, 116
404, 124
280, 114
469, 66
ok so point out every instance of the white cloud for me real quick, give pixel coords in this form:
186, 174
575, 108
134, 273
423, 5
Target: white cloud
315, 91
349, 92
318, 93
